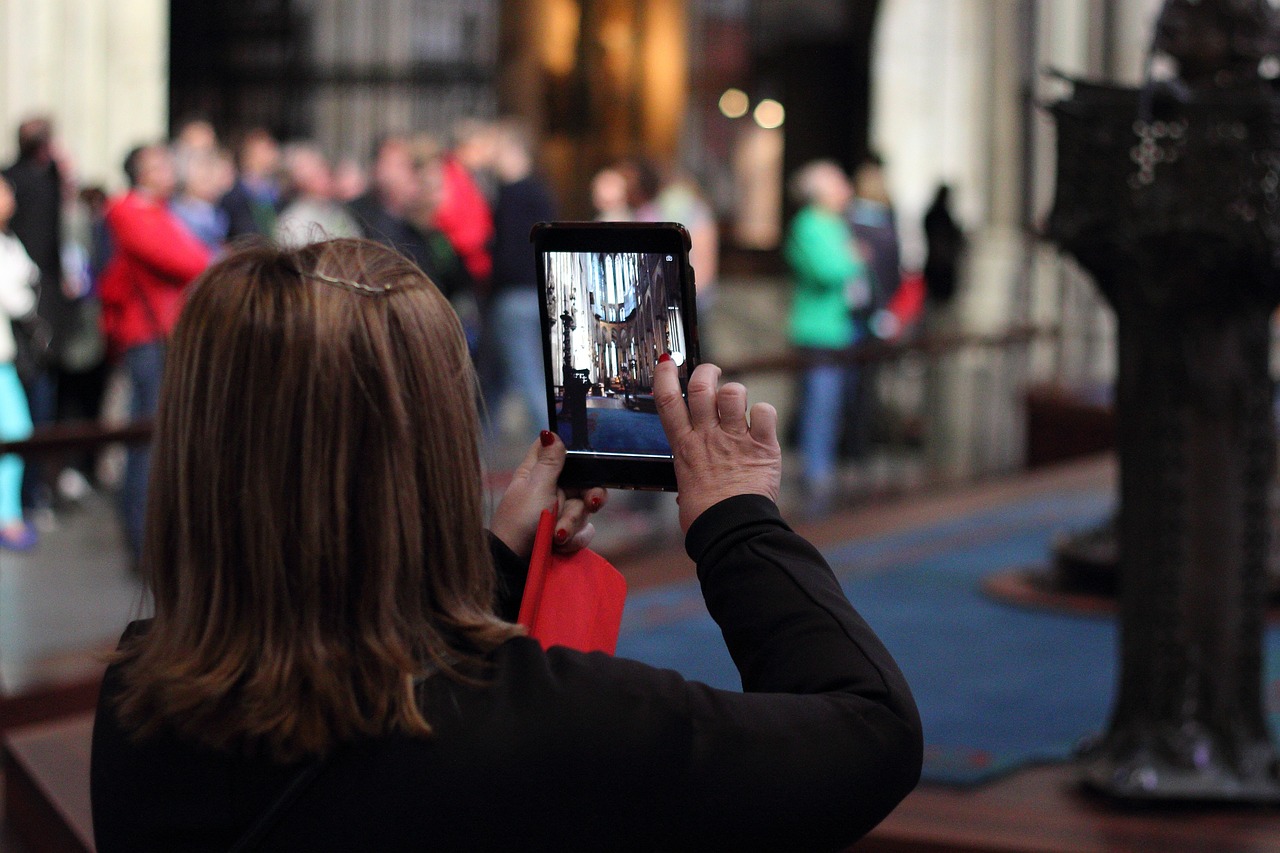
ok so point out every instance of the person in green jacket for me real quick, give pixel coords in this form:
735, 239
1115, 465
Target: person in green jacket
830, 282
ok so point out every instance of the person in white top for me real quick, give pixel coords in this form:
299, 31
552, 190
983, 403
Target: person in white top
18, 275
314, 214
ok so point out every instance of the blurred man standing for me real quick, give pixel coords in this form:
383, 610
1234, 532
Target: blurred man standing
510, 358
397, 190
254, 199
312, 213
142, 291
37, 223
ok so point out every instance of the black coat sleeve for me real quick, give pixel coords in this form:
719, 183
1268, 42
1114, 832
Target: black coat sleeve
826, 739
512, 572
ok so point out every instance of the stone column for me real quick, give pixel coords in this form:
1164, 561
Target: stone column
100, 69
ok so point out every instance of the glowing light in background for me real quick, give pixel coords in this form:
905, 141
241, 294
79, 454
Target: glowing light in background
769, 114
734, 103
562, 20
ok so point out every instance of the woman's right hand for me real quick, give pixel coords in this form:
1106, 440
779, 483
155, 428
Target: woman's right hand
720, 451
534, 488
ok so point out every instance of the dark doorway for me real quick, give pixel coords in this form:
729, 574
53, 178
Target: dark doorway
239, 63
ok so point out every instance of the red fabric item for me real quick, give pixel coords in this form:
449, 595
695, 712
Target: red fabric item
572, 600
153, 255
464, 217
907, 302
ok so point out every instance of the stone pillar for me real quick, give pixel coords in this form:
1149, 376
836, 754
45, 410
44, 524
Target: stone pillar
949, 95
100, 69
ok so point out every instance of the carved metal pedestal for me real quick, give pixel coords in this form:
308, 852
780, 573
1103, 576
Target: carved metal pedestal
1172, 204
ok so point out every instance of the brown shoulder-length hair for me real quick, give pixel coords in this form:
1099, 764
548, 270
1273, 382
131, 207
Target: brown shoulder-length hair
314, 536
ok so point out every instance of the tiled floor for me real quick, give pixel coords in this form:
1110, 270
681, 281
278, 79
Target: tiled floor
66, 600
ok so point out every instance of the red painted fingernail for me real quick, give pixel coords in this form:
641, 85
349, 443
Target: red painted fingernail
547, 437
666, 356
595, 503
562, 536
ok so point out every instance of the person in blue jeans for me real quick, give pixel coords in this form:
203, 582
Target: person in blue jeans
142, 290
829, 284
145, 366
18, 274
510, 353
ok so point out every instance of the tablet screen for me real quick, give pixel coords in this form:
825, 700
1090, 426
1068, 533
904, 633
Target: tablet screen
611, 315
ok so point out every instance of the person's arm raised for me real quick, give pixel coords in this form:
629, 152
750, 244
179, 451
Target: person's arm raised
720, 449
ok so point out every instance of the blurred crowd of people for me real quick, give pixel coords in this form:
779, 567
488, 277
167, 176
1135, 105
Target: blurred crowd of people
636, 190
91, 283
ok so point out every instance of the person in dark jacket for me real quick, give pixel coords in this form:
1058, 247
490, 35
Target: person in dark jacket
37, 190
874, 225
944, 246
254, 199
510, 351
385, 212
36, 180
332, 658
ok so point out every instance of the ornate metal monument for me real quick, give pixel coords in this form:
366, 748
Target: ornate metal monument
1170, 196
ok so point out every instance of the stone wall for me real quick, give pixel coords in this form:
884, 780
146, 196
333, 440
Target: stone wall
956, 84
99, 67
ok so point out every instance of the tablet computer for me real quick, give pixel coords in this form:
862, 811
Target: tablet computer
615, 296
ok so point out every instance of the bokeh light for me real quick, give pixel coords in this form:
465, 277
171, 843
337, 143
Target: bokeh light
734, 103
769, 114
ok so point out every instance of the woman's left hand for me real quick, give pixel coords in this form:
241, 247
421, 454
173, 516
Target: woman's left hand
533, 488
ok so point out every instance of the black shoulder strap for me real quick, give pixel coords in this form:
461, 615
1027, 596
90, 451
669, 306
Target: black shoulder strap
254, 835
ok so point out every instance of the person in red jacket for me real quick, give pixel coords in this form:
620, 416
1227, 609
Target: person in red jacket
155, 257
463, 214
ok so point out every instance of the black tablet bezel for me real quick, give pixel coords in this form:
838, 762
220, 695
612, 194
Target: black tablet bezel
586, 468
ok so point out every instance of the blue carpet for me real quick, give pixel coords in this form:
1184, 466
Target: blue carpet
998, 686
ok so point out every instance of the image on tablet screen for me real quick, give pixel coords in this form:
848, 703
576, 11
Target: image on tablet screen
612, 315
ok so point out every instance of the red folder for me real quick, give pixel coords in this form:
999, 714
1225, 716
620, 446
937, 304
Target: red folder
572, 600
